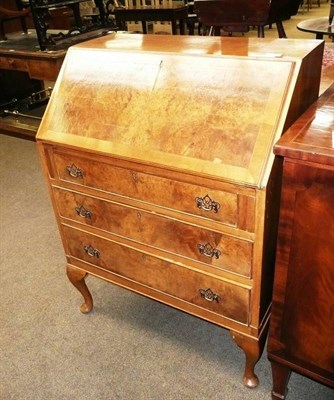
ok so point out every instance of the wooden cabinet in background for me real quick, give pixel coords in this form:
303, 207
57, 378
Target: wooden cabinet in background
301, 335
161, 172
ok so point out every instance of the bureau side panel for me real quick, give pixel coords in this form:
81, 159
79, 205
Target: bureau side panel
307, 86
267, 214
303, 302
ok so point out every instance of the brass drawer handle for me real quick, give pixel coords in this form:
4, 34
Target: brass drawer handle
83, 212
74, 171
207, 204
91, 251
208, 251
208, 295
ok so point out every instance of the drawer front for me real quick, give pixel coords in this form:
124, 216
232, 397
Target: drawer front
45, 69
13, 63
223, 298
209, 247
208, 203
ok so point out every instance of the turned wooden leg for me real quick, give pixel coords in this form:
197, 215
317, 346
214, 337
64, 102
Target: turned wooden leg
77, 278
281, 375
253, 349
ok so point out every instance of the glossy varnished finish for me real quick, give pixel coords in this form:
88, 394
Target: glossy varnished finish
39, 65
161, 172
307, 55
301, 333
317, 26
20, 54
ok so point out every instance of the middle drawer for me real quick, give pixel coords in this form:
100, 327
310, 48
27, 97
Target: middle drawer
157, 231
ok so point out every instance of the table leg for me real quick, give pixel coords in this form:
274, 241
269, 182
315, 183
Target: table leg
119, 23
280, 30
260, 31
319, 35
174, 27
144, 25
182, 27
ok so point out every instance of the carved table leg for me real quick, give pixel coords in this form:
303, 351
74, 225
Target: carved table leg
281, 375
77, 278
253, 349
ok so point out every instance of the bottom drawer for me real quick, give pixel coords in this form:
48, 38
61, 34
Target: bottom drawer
213, 294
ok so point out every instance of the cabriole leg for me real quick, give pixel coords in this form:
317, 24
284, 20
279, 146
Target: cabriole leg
253, 350
77, 278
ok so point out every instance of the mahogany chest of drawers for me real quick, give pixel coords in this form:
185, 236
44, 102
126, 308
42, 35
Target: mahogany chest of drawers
162, 175
301, 335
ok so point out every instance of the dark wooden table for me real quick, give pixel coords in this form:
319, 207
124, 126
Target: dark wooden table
153, 13
319, 26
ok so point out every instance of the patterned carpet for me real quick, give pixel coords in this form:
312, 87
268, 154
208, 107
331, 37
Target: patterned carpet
328, 59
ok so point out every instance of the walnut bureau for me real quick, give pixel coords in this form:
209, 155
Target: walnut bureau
301, 335
161, 172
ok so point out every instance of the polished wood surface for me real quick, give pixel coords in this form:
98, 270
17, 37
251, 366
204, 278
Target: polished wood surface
46, 65
318, 26
301, 331
176, 141
19, 57
162, 182
306, 55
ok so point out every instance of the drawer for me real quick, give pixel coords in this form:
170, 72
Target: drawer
13, 63
203, 245
216, 205
215, 295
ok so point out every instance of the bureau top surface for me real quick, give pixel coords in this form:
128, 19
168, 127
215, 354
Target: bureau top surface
206, 115
311, 137
208, 45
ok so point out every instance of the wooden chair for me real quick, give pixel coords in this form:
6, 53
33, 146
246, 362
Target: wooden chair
239, 15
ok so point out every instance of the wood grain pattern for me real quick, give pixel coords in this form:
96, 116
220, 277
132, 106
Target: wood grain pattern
160, 275
157, 231
141, 131
301, 329
169, 193
218, 108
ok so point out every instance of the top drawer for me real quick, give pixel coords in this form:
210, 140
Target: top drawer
217, 205
13, 63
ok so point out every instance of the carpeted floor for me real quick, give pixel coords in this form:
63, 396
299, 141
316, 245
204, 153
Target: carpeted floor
128, 348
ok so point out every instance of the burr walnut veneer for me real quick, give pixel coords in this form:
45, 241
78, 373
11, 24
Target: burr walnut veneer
160, 167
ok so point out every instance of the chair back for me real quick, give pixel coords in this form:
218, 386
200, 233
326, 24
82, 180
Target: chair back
237, 14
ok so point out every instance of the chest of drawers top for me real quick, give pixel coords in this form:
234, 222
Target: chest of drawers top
311, 138
208, 116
